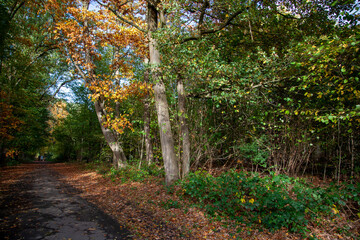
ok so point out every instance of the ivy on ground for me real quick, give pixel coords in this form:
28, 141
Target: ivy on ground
273, 201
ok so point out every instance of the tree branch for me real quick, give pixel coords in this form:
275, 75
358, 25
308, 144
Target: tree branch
224, 87
15, 9
202, 14
50, 86
39, 56
214, 30
289, 16
62, 84
79, 70
121, 18
33, 61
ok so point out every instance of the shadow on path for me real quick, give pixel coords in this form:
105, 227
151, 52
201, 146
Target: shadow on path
39, 206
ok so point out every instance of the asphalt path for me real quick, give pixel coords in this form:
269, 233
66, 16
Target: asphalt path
39, 206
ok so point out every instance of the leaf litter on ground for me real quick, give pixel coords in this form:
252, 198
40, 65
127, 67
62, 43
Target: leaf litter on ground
149, 211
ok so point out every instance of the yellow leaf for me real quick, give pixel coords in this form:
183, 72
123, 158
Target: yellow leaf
335, 211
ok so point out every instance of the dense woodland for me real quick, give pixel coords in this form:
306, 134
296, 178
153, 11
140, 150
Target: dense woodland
267, 87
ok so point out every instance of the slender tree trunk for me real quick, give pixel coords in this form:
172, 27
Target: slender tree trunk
141, 149
81, 149
352, 158
147, 120
119, 158
339, 153
185, 156
148, 143
162, 107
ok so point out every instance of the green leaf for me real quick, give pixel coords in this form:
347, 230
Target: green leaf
334, 3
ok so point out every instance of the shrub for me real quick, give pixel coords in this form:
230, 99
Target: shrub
170, 204
274, 201
132, 173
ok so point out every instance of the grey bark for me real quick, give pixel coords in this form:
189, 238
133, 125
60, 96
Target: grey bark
185, 154
148, 143
162, 107
147, 119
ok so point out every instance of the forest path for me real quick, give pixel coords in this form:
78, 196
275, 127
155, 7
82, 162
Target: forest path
39, 206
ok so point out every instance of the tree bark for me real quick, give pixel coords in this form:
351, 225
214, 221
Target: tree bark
162, 107
185, 154
148, 143
119, 158
147, 120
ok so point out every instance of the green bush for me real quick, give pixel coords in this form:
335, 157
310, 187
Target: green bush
154, 170
170, 204
12, 162
132, 173
255, 151
128, 173
274, 201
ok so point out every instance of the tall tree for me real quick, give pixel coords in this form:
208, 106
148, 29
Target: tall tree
83, 37
27, 61
153, 10
162, 107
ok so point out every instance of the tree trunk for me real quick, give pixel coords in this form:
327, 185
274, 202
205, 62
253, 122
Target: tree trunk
339, 153
147, 120
148, 143
162, 107
185, 155
352, 158
119, 158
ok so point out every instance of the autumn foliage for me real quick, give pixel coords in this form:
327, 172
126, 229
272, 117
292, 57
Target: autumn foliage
9, 124
87, 37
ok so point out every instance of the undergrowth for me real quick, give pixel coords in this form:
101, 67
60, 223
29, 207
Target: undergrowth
129, 173
171, 204
274, 201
